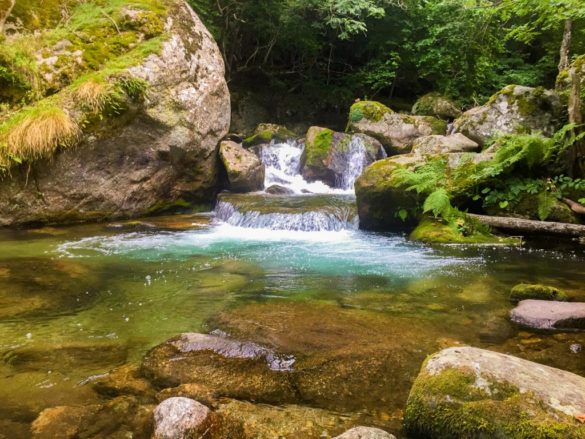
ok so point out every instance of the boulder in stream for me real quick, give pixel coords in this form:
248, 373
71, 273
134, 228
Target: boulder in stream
181, 418
268, 132
513, 110
365, 433
546, 314
244, 169
465, 392
395, 131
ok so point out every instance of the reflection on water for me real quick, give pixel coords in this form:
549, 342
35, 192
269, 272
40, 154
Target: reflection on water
75, 302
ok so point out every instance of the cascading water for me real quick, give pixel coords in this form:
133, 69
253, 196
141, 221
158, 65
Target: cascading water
314, 206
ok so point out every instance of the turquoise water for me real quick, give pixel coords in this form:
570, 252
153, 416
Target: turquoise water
78, 301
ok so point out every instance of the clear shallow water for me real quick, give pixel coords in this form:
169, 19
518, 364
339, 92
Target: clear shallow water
76, 302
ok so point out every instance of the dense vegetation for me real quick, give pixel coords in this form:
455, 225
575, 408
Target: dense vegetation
337, 50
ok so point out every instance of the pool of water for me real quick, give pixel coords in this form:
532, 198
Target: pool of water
77, 301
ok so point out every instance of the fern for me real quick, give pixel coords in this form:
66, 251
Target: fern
439, 203
424, 178
546, 203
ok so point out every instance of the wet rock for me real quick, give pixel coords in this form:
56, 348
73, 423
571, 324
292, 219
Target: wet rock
437, 145
328, 154
380, 199
536, 291
198, 392
395, 131
124, 380
365, 433
181, 418
575, 348
62, 422
68, 356
158, 155
513, 110
240, 419
276, 189
435, 104
268, 132
244, 169
466, 392
544, 314
242, 370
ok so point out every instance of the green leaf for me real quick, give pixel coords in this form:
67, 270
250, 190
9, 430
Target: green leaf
403, 214
546, 202
504, 204
439, 203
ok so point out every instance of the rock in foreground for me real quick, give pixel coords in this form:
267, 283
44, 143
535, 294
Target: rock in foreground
179, 418
365, 433
465, 392
244, 169
545, 314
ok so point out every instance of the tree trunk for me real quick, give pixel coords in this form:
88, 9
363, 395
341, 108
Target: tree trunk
577, 151
566, 45
4, 15
530, 227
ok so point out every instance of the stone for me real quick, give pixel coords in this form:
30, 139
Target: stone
158, 155
545, 314
435, 231
124, 380
513, 110
222, 366
397, 132
277, 189
268, 132
244, 169
380, 200
181, 418
437, 145
435, 104
365, 433
536, 291
465, 392
327, 154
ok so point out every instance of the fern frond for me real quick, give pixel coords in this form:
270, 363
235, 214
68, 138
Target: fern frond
439, 203
546, 202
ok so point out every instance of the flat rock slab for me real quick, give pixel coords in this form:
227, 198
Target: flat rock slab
466, 392
545, 314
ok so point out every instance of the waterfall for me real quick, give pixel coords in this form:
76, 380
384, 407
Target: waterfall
328, 214
355, 161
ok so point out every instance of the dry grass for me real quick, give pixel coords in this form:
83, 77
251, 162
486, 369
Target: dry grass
39, 133
93, 95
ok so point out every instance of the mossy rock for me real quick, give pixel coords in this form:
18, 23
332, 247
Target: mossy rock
527, 207
370, 110
267, 132
435, 104
470, 393
435, 231
536, 291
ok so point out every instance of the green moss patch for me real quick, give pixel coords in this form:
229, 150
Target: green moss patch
369, 110
536, 291
317, 148
435, 231
449, 405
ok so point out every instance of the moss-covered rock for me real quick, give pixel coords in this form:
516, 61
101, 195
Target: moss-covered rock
470, 393
527, 207
244, 169
382, 203
437, 145
536, 291
435, 104
267, 132
395, 131
460, 231
114, 123
513, 110
327, 155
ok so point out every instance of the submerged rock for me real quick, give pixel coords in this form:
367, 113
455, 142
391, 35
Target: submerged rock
545, 314
160, 153
513, 110
181, 418
536, 291
330, 156
465, 392
395, 131
435, 104
244, 169
365, 433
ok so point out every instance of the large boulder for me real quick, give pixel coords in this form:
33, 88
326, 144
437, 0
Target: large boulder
268, 132
437, 145
435, 104
513, 110
382, 203
330, 156
244, 169
546, 314
154, 150
465, 392
395, 131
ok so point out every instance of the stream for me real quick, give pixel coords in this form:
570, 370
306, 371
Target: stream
77, 301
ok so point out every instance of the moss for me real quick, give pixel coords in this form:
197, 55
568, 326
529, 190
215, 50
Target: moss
266, 132
437, 125
369, 110
317, 148
449, 405
163, 206
536, 291
434, 231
